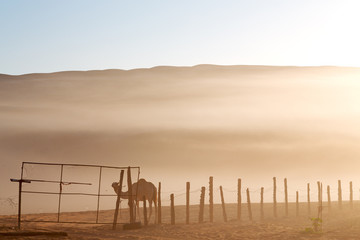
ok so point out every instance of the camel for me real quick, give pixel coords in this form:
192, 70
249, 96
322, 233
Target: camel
141, 188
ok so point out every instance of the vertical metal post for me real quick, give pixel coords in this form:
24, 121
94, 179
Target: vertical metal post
130, 202
60, 191
19, 208
20, 191
98, 200
118, 199
136, 197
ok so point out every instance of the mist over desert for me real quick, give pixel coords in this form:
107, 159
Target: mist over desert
186, 123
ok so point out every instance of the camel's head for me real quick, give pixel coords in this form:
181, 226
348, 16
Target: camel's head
115, 186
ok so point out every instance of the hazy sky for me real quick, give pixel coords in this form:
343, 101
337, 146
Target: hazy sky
46, 36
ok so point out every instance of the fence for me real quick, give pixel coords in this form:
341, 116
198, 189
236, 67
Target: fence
275, 190
284, 192
54, 173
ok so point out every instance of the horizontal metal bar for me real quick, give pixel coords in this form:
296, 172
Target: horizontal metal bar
48, 181
79, 165
85, 194
20, 180
65, 193
56, 193
68, 222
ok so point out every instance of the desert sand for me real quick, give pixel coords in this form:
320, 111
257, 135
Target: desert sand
337, 224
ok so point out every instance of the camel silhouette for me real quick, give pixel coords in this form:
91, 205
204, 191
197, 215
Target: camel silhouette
141, 188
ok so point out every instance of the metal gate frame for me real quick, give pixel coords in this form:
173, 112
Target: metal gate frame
60, 193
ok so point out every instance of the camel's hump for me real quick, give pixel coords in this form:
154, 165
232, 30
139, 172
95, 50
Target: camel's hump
142, 180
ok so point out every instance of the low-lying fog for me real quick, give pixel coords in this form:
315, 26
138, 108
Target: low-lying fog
184, 124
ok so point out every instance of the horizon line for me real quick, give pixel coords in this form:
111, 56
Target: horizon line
181, 66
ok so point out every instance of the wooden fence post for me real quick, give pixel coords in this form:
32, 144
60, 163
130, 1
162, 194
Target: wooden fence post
223, 204
172, 210
308, 199
329, 197
118, 199
297, 203
239, 199
320, 205
202, 202
351, 195
286, 198
319, 195
274, 197
339, 194
145, 212
211, 199
262, 204
187, 202
249, 204
159, 203
130, 202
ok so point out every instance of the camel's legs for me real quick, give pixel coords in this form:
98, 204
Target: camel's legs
138, 210
150, 205
156, 210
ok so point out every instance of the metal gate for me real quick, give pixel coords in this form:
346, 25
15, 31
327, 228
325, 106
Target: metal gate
61, 182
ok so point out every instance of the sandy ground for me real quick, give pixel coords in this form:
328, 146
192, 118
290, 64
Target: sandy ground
337, 224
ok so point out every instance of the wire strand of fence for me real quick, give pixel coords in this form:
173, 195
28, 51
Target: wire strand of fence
176, 191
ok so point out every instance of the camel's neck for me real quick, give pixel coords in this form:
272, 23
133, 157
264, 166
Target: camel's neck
124, 195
